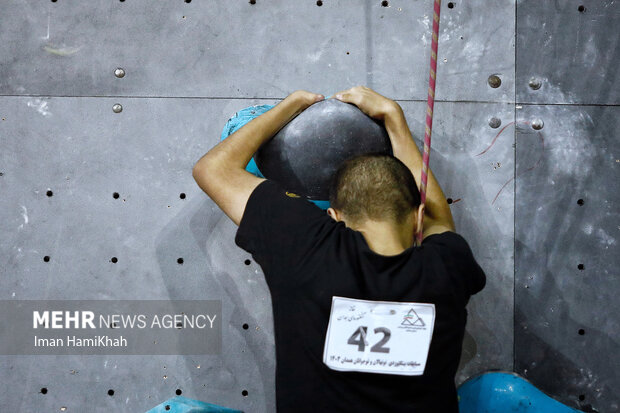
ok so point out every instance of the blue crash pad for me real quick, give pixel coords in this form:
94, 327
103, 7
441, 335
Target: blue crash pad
500, 392
241, 118
180, 404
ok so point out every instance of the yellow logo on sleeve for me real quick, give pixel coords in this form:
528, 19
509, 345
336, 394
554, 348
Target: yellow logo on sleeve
292, 195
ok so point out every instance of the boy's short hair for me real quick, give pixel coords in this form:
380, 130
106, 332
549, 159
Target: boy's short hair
374, 186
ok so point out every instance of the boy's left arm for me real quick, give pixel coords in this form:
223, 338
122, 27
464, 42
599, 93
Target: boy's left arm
221, 171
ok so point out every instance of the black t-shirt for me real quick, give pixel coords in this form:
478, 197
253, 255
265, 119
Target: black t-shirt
308, 258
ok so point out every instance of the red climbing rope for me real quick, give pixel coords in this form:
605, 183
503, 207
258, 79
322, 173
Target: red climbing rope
429, 108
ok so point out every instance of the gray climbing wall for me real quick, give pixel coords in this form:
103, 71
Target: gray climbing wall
567, 221
190, 65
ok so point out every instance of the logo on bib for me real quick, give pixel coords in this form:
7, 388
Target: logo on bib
292, 195
412, 319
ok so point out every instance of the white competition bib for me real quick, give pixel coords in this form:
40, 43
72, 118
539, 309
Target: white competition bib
378, 336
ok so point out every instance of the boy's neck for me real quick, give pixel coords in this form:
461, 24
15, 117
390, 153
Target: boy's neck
386, 238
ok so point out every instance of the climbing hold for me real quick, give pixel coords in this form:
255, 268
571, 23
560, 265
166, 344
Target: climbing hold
505, 392
306, 152
180, 404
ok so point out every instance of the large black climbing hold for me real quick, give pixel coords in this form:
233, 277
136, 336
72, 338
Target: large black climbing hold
306, 152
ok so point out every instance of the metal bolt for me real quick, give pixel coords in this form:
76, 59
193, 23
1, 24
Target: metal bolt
117, 108
495, 122
119, 72
535, 83
538, 124
494, 81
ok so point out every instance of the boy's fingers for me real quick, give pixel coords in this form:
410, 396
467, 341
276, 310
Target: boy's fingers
339, 95
346, 94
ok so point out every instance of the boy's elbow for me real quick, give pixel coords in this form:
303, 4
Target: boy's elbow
211, 162
204, 175
205, 166
197, 170
210, 176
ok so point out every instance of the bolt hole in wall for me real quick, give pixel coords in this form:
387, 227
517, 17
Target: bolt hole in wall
384, 3
244, 393
581, 331
535, 83
495, 122
319, 3
580, 202
246, 326
538, 124
450, 5
581, 8
494, 81
110, 392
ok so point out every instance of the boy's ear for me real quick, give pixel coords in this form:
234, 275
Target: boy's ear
333, 213
419, 218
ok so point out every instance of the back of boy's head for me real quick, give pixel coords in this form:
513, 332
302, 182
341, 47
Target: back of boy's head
374, 186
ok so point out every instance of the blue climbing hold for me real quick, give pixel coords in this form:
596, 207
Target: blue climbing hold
499, 392
237, 121
180, 404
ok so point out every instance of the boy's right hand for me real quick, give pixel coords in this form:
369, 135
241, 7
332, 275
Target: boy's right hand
370, 102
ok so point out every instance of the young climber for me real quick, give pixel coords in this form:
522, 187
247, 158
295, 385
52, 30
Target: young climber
328, 272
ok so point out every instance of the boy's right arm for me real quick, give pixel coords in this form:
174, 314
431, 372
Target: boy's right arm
437, 216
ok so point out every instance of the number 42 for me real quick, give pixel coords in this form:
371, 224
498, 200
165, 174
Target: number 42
361, 342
